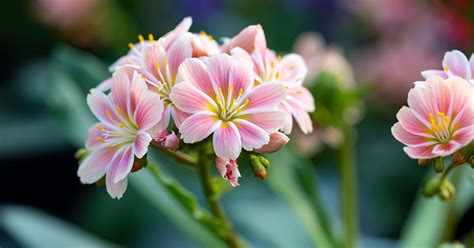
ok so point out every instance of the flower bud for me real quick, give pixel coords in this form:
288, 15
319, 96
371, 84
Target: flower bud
423, 161
431, 187
171, 141
229, 170
459, 158
139, 163
446, 190
259, 166
81, 154
277, 141
438, 165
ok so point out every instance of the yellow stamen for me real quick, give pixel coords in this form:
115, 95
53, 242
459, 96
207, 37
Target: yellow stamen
446, 68
117, 109
150, 37
100, 139
279, 58
130, 45
100, 128
299, 92
231, 87
166, 62
140, 38
272, 64
277, 75
241, 91
107, 113
110, 146
202, 33
121, 125
210, 37
157, 66
220, 91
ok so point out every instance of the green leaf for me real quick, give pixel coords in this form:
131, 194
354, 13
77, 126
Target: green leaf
179, 205
282, 170
33, 228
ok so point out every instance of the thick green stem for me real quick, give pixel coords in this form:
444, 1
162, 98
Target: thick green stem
348, 186
213, 202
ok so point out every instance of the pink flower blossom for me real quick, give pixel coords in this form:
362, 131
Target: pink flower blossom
289, 71
455, 63
228, 170
170, 141
204, 45
219, 96
439, 119
125, 116
277, 141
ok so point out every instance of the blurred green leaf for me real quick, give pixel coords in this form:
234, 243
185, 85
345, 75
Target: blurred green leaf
283, 171
33, 228
179, 205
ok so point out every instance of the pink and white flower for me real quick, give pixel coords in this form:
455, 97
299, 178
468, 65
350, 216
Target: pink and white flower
229, 170
220, 97
439, 119
289, 71
125, 115
455, 63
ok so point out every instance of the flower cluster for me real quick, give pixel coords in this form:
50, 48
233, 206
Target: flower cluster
186, 86
440, 117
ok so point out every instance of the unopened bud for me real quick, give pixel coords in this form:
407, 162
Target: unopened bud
438, 165
277, 141
446, 190
459, 158
431, 187
171, 141
259, 166
139, 163
81, 154
423, 161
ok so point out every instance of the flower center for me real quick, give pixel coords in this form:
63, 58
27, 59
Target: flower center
441, 127
230, 104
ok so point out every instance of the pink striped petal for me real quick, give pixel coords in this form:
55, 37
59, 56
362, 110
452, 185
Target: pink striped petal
447, 149
301, 116
138, 90
268, 120
95, 165
94, 138
441, 93
463, 94
121, 164
252, 136
428, 73
105, 85
423, 152
410, 139
199, 126
471, 63
140, 146
266, 96
241, 76
226, 141
179, 30
303, 96
250, 39
120, 92
115, 190
195, 72
218, 68
101, 107
149, 111
178, 52
292, 69
464, 135
152, 59
186, 97
410, 123
163, 123
421, 103
287, 124
178, 116
457, 64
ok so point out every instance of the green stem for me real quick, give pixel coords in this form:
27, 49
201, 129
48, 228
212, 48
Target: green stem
213, 202
447, 171
348, 186
179, 156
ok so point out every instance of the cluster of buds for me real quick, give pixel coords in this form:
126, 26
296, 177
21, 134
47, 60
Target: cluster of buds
186, 88
439, 121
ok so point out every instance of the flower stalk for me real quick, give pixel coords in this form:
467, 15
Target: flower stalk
205, 175
183, 158
348, 186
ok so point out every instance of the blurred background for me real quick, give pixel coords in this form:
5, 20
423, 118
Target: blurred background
54, 51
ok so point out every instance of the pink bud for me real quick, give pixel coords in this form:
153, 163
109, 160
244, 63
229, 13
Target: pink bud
171, 141
277, 141
228, 170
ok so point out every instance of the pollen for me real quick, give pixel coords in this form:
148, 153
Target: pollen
117, 109
210, 37
241, 91
277, 75
121, 125
446, 68
231, 87
202, 33
130, 45
150, 37
272, 64
299, 92
100, 128
100, 139
166, 62
279, 58
141, 39
157, 66
107, 113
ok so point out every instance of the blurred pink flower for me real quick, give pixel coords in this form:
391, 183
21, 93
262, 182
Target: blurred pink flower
438, 120
454, 63
66, 13
125, 115
219, 96
319, 57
